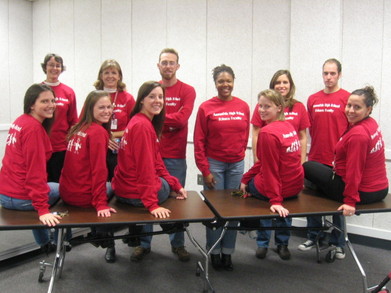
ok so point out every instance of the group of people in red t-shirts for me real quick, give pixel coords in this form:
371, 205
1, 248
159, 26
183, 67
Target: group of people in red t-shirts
114, 145
137, 150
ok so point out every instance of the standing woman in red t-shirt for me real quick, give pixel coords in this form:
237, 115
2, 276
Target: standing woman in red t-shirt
220, 140
295, 112
65, 117
110, 80
23, 178
359, 173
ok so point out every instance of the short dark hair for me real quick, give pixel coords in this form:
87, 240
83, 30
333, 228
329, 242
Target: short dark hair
222, 68
171, 51
58, 59
336, 62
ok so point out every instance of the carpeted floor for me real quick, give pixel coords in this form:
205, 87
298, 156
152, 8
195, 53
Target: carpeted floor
86, 271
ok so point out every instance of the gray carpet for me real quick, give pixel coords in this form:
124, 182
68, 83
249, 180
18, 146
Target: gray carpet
85, 270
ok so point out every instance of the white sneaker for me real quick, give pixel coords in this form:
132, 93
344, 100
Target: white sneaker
339, 253
307, 245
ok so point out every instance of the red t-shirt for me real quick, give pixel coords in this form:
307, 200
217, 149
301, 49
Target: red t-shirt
278, 173
328, 122
298, 117
83, 177
360, 160
221, 132
123, 104
140, 164
179, 106
23, 173
65, 116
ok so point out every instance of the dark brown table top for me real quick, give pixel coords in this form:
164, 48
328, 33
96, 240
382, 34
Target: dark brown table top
193, 209
232, 207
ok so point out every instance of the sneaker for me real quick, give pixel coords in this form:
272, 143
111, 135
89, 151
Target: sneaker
110, 256
261, 252
138, 253
283, 252
183, 254
307, 245
339, 253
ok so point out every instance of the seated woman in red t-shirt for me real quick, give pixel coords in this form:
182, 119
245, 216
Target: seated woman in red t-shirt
278, 174
84, 175
23, 177
359, 173
141, 178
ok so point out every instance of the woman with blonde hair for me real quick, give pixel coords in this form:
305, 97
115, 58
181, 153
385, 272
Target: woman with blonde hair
278, 174
110, 80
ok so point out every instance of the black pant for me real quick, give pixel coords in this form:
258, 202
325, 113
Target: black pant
54, 166
332, 185
111, 160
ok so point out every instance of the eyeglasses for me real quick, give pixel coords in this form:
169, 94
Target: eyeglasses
168, 63
54, 65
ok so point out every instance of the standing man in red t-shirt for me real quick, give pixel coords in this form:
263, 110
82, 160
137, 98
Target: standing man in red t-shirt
179, 98
326, 110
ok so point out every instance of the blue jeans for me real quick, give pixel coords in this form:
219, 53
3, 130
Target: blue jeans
109, 191
336, 237
162, 195
281, 237
227, 176
177, 168
41, 236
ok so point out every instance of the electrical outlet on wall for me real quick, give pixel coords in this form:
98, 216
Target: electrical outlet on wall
200, 179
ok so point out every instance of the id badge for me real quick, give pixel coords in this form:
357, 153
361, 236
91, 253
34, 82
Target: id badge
114, 122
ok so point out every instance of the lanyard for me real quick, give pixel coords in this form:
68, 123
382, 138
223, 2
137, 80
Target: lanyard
115, 99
